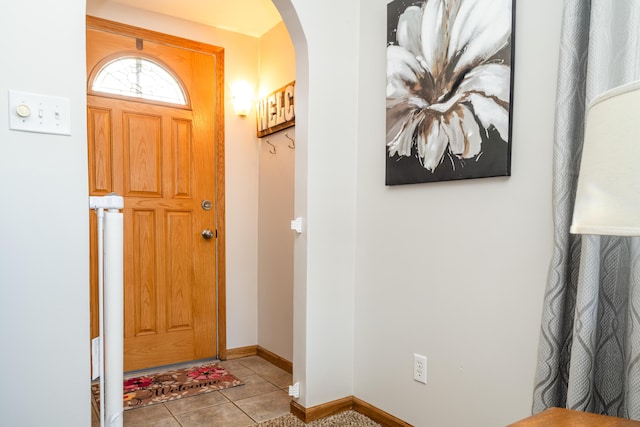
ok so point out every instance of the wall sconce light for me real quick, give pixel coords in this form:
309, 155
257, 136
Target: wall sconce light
241, 97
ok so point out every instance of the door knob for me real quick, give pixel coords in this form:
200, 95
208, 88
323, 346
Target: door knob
207, 234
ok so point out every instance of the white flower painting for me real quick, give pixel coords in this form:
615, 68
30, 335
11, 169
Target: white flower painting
449, 84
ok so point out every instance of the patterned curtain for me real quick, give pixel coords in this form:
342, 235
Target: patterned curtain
589, 351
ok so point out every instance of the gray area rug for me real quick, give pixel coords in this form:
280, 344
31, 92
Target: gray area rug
343, 419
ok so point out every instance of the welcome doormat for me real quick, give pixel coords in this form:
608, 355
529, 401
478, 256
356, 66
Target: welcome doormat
171, 385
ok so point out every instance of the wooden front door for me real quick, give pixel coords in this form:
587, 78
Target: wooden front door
161, 158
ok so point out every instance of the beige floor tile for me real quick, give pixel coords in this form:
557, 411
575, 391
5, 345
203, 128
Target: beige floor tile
225, 415
145, 414
160, 422
277, 376
237, 369
262, 397
193, 403
266, 406
253, 386
256, 363
141, 421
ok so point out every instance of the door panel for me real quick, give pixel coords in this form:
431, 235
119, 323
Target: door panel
161, 158
181, 158
141, 295
99, 138
142, 155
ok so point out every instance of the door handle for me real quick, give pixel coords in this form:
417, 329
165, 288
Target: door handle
207, 234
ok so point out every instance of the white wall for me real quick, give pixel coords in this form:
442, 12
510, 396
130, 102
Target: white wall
300, 296
362, 306
275, 246
276, 190
44, 229
454, 270
241, 56
324, 267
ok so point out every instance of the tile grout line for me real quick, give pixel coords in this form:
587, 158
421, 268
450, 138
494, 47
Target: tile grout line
253, 369
256, 422
173, 415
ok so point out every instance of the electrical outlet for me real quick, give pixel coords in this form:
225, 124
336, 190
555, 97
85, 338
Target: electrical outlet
420, 368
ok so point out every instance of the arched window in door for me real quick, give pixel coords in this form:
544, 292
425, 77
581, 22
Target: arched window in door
140, 78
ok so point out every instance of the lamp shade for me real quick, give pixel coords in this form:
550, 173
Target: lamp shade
608, 192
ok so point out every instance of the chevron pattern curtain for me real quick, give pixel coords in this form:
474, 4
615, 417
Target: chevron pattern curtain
589, 351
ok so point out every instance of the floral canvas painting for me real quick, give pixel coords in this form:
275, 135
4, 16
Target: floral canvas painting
449, 89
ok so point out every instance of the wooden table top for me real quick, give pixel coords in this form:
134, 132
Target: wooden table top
566, 418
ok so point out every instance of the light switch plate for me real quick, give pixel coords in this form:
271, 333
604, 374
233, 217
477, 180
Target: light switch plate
32, 112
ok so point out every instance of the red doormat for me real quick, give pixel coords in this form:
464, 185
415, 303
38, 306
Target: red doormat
174, 384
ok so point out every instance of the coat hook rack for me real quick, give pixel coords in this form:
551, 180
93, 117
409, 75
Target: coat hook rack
273, 147
293, 141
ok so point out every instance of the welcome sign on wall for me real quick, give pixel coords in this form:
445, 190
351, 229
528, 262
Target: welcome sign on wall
276, 111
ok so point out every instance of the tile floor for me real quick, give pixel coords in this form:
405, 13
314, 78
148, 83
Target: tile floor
262, 397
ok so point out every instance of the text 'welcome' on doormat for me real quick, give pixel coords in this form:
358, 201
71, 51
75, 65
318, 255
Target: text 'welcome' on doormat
174, 384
